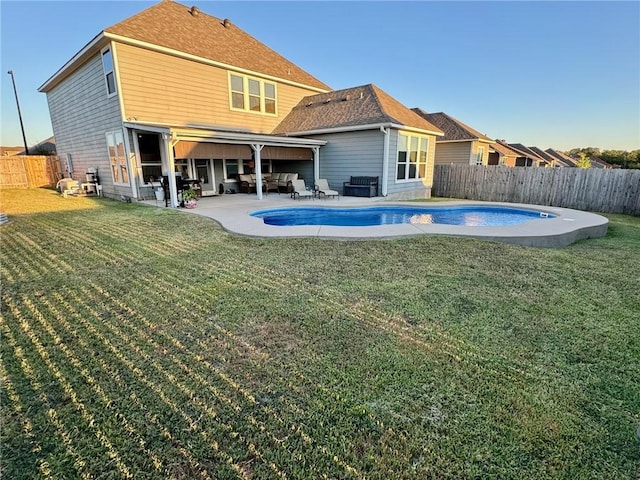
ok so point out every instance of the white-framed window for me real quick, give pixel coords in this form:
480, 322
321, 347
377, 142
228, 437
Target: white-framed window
249, 94
109, 75
117, 158
411, 162
230, 169
479, 156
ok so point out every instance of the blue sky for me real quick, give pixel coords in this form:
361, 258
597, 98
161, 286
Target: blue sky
549, 74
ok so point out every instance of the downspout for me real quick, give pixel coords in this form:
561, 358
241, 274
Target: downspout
257, 160
385, 160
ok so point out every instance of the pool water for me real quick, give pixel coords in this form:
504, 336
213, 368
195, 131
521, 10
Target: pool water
476, 216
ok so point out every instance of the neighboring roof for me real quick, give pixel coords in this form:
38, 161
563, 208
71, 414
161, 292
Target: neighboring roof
561, 156
188, 30
46, 145
526, 152
549, 158
599, 163
504, 149
453, 128
361, 106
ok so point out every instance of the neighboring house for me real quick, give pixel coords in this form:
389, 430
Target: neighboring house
45, 147
172, 89
502, 154
570, 162
368, 133
527, 157
551, 160
460, 144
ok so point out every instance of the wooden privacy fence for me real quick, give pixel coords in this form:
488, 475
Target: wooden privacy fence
24, 171
599, 190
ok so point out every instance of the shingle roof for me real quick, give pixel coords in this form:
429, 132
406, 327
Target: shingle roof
351, 107
542, 154
453, 128
178, 27
561, 156
504, 149
526, 151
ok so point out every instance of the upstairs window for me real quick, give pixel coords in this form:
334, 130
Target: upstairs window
252, 94
109, 76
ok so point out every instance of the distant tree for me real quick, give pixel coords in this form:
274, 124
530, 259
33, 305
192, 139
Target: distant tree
583, 161
622, 158
588, 151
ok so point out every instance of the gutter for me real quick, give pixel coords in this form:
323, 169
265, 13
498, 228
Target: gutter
354, 128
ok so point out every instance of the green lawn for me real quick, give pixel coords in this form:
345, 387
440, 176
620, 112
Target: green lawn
142, 342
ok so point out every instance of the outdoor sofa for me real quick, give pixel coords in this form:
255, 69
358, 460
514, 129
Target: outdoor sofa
277, 181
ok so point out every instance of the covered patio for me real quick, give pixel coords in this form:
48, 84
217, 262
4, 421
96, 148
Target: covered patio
214, 145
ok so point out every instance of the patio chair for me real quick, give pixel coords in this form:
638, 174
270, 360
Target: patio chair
322, 187
300, 190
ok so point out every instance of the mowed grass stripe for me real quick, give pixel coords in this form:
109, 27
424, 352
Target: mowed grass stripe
89, 421
190, 394
264, 426
19, 412
109, 374
190, 304
20, 261
158, 389
80, 367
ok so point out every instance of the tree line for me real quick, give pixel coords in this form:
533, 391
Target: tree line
615, 157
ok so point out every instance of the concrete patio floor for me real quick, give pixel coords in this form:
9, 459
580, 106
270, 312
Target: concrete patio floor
232, 213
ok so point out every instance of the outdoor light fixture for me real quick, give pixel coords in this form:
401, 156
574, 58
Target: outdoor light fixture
15, 91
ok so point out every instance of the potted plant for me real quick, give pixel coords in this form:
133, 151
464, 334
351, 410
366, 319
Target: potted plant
189, 198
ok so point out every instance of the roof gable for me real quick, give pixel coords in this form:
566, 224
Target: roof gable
526, 152
187, 29
351, 107
453, 128
504, 149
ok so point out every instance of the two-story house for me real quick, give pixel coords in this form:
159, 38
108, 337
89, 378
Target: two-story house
173, 91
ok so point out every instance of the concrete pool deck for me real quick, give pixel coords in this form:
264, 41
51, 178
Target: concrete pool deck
232, 212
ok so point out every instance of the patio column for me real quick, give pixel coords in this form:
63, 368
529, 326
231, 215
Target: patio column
173, 189
257, 148
316, 163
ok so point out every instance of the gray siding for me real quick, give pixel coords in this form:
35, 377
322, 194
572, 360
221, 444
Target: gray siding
409, 189
81, 113
350, 153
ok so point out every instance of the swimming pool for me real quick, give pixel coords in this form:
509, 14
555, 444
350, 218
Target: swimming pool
470, 216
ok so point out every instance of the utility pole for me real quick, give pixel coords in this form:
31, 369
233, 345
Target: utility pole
15, 91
